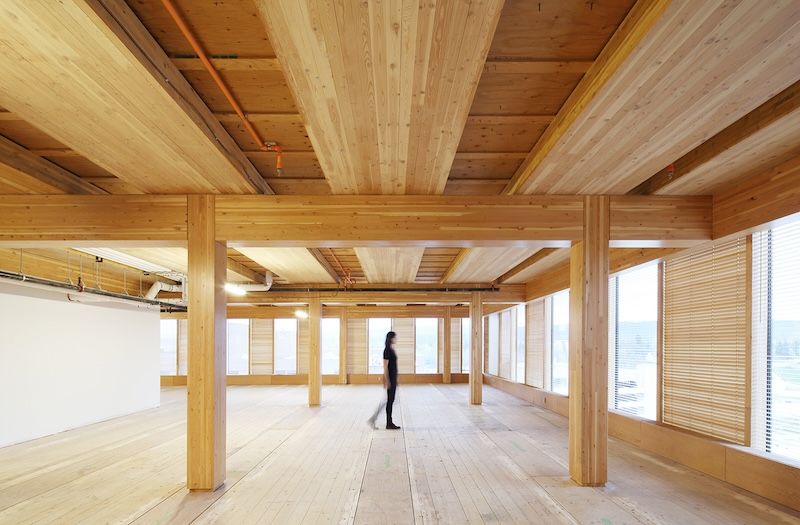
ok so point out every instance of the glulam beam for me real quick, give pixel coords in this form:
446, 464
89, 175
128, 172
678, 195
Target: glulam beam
476, 349
355, 221
588, 347
207, 349
759, 201
314, 352
33, 174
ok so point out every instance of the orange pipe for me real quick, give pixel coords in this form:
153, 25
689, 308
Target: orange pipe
198, 49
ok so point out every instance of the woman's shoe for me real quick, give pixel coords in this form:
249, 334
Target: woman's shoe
392, 426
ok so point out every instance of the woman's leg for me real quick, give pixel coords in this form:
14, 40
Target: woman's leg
389, 401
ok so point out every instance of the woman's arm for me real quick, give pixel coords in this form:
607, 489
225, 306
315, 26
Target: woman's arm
386, 374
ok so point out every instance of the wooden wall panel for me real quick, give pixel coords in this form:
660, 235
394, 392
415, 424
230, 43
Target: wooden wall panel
261, 346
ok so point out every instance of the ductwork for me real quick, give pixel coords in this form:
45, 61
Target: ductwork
268, 278
157, 286
79, 293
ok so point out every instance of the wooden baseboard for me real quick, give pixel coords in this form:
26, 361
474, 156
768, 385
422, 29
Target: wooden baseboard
302, 379
742, 467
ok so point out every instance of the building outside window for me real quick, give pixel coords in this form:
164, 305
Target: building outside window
466, 338
633, 329
775, 423
238, 346
559, 342
520, 343
285, 346
493, 355
426, 345
329, 344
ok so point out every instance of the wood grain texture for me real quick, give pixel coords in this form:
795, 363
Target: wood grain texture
116, 84
116, 217
207, 350
314, 352
392, 85
761, 200
476, 349
676, 72
367, 221
588, 348
636, 25
29, 173
486, 264
766, 136
390, 265
295, 265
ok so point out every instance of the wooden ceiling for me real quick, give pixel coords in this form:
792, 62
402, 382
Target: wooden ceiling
470, 98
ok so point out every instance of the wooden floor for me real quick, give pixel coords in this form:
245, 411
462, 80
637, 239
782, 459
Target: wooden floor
503, 462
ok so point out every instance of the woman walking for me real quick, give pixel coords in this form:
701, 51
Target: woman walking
389, 382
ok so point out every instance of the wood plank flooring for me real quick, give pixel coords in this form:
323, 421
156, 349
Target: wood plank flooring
502, 462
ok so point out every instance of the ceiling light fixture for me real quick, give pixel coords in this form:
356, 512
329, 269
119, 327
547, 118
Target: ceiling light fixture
301, 314
234, 289
124, 258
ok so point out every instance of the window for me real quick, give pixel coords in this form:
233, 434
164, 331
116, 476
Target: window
169, 347
632, 333
520, 340
238, 346
329, 344
494, 344
466, 338
285, 346
559, 342
376, 336
775, 422
426, 345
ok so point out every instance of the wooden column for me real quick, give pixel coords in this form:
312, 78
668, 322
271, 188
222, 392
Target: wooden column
314, 354
207, 348
343, 347
476, 350
447, 349
588, 347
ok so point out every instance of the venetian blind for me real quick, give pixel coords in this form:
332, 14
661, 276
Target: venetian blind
534, 361
776, 341
705, 336
261, 339
404, 346
632, 334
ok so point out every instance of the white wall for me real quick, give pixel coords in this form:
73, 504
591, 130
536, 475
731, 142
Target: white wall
65, 364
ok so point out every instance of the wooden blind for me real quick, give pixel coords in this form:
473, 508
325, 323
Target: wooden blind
705, 337
535, 347
356, 346
455, 345
404, 328
261, 338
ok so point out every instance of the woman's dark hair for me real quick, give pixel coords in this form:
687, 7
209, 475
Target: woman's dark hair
389, 337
